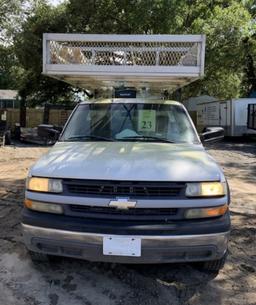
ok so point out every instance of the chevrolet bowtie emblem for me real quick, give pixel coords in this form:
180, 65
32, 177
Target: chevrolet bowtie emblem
122, 203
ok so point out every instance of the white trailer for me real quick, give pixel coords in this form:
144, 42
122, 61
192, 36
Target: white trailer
231, 114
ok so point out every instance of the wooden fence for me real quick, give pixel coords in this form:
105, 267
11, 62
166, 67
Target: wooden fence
57, 117
34, 117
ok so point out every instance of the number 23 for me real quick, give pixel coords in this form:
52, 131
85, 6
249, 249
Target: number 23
146, 124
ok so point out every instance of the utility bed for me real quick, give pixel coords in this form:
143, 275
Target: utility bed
140, 61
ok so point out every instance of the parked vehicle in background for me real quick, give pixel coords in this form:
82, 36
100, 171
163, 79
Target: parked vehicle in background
232, 115
5, 133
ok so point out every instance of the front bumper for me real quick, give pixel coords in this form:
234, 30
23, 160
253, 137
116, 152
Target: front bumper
154, 248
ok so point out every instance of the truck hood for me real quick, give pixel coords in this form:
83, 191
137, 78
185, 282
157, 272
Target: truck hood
134, 161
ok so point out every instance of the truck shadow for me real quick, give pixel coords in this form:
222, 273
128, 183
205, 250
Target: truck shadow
24, 144
175, 283
186, 279
240, 146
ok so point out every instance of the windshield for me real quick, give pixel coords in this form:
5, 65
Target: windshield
130, 122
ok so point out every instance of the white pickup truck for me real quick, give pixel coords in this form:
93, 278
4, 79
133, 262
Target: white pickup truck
128, 181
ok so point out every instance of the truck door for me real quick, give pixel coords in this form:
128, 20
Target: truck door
223, 113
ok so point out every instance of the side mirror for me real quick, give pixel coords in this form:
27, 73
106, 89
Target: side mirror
212, 134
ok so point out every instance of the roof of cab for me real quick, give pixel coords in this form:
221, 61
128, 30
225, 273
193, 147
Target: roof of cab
131, 100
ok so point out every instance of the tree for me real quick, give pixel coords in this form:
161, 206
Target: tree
226, 28
228, 24
35, 87
124, 16
5, 67
249, 79
12, 14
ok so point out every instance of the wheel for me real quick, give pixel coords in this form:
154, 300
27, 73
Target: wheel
38, 257
42, 257
214, 265
7, 139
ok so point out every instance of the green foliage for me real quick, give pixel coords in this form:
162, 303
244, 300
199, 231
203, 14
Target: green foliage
226, 28
8, 8
229, 25
8, 68
123, 16
34, 86
11, 14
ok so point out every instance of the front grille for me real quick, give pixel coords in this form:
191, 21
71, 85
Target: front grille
99, 212
131, 211
123, 188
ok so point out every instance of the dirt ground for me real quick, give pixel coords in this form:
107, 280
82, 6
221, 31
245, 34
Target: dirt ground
71, 281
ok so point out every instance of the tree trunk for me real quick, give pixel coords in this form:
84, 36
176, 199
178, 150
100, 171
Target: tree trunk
23, 112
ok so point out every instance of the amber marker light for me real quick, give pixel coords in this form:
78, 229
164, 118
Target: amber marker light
43, 206
206, 212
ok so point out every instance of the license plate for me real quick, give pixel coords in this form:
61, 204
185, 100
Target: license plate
125, 246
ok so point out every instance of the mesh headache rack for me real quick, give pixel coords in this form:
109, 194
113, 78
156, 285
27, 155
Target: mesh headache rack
141, 61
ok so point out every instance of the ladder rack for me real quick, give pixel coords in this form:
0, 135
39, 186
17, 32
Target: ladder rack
158, 62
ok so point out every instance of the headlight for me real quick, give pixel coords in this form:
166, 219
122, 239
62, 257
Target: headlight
43, 206
206, 212
206, 189
44, 185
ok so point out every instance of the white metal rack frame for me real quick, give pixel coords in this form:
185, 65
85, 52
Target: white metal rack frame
102, 61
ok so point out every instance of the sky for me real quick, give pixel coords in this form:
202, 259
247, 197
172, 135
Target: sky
55, 2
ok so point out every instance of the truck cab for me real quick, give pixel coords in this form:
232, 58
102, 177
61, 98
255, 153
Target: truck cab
128, 181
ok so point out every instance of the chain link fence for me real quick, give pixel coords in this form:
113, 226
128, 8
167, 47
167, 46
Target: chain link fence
124, 53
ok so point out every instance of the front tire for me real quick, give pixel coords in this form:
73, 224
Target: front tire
38, 257
7, 139
215, 265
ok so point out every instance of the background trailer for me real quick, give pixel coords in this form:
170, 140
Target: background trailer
232, 115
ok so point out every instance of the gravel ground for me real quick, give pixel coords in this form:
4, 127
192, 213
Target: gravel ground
71, 281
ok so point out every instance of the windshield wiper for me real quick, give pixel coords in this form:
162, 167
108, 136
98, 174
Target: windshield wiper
88, 137
147, 138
